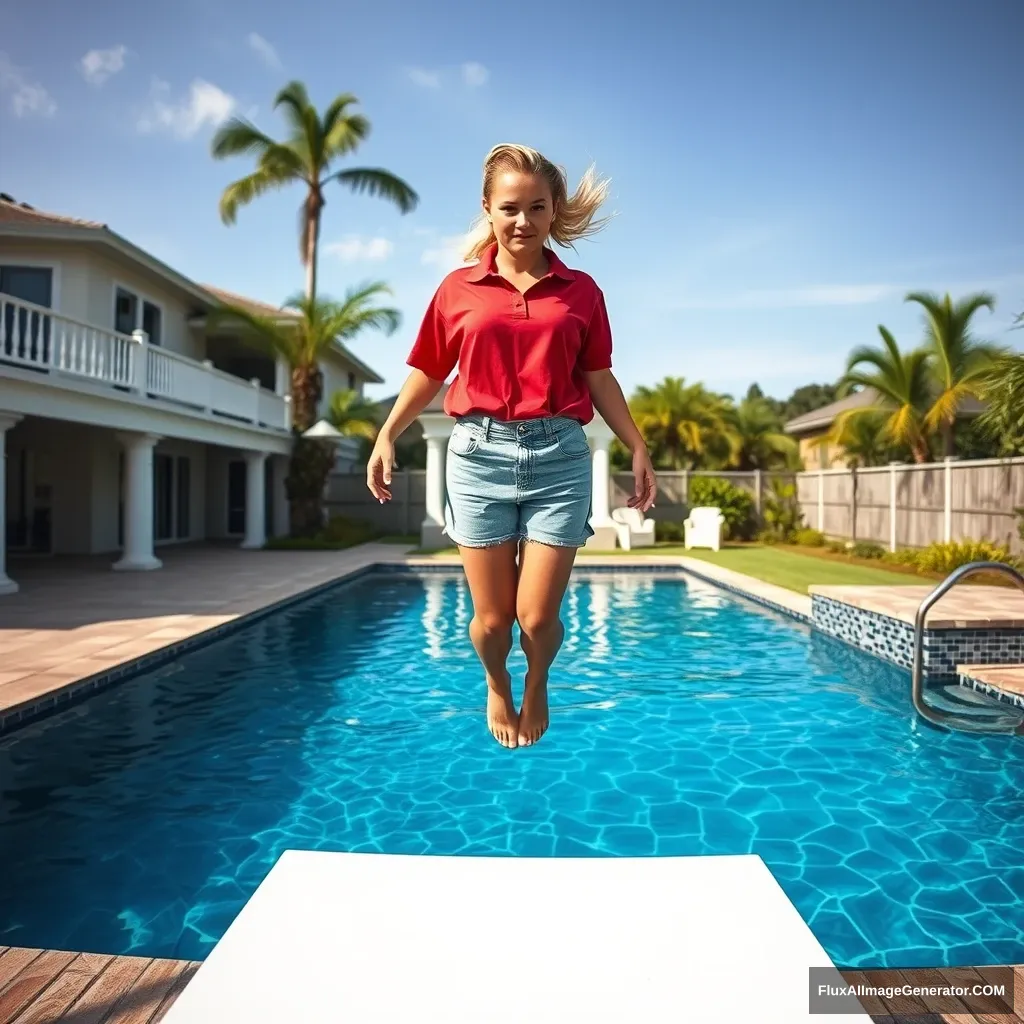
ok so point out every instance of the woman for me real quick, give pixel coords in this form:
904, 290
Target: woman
533, 344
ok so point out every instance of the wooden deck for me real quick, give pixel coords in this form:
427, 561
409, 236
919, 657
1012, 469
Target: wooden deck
44, 986
40, 986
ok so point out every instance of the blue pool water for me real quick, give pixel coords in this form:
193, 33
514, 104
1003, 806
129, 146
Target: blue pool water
684, 721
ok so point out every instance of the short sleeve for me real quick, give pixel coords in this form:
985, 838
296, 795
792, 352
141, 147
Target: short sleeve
596, 350
433, 351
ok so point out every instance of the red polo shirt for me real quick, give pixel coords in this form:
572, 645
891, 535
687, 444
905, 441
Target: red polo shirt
519, 356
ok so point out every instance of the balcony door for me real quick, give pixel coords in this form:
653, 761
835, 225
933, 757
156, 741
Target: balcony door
26, 334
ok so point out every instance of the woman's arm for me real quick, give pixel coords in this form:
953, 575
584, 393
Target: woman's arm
415, 396
609, 401
611, 404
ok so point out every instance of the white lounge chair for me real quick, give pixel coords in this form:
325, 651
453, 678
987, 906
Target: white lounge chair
703, 528
634, 531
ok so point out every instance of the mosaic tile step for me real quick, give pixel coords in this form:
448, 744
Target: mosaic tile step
1005, 682
964, 607
947, 642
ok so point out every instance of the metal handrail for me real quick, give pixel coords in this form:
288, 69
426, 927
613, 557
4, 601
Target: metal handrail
996, 723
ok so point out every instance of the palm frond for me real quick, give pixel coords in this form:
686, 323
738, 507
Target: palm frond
236, 137
263, 332
375, 181
294, 97
245, 190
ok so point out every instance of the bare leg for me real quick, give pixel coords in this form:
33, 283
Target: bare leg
492, 573
543, 576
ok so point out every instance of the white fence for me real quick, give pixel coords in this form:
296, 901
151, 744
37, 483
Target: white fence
907, 505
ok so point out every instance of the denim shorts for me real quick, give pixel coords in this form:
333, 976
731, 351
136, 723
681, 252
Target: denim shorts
511, 480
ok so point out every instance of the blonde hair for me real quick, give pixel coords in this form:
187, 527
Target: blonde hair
574, 215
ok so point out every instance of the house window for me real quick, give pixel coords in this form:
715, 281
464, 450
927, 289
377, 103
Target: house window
26, 333
351, 382
172, 497
132, 313
30, 284
182, 528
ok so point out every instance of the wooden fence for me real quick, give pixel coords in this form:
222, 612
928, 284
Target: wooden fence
912, 506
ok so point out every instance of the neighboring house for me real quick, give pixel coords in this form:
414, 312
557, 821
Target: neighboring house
125, 427
811, 430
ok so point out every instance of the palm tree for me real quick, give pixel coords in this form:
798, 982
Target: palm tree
1003, 393
863, 439
352, 415
315, 143
960, 364
685, 424
761, 442
301, 338
903, 384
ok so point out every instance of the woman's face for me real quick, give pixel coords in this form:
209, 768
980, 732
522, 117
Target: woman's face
521, 211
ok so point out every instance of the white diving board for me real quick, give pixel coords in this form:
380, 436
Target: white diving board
337, 938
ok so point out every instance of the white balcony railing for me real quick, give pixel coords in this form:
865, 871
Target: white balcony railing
37, 338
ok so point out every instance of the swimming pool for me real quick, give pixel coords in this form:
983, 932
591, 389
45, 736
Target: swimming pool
684, 721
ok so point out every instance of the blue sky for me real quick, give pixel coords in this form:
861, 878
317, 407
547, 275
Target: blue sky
782, 173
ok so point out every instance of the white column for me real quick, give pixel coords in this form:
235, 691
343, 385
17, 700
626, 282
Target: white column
7, 585
255, 500
138, 503
601, 436
437, 428
282, 376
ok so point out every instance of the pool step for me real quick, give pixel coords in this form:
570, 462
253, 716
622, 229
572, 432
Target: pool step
962, 700
1001, 683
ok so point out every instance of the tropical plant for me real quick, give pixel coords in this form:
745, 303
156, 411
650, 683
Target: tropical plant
685, 425
760, 442
352, 415
902, 383
781, 514
1003, 393
943, 557
302, 337
736, 504
863, 439
809, 538
960, 364
307, 157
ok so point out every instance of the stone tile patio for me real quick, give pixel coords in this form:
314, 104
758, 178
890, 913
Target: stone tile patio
966, 607
75, 618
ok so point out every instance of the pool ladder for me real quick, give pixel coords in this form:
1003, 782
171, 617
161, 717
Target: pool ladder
983, 722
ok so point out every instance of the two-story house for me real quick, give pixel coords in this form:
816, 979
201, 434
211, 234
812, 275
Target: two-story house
125, 424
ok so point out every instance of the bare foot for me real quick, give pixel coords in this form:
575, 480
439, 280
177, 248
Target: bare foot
502, 718
533, 715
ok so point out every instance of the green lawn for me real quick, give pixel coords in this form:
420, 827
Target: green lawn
797, 572
784, 568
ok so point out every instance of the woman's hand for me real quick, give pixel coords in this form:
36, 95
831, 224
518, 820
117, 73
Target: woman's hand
646, 487
378, 469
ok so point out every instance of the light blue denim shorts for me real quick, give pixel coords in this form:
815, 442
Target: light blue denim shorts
510, 480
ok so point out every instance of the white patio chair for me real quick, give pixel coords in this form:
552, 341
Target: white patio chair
634, 531
703, 528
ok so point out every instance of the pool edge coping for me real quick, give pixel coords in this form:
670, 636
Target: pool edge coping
34, 709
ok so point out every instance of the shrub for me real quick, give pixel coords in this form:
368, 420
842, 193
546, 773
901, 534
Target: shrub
943, 558
736, 504
782, 515
867, 549
837, 547
338, 533
809, 538
668, 531
903, 556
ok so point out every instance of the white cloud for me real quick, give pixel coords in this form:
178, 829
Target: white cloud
264, 50
27, 97
99, 65
206, 105
474, 74
446, 252
353, 249
424, 79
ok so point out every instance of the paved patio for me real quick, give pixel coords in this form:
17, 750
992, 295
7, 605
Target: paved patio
970, 607
75, 618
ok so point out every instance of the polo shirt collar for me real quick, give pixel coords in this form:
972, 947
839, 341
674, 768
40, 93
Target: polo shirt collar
485, 267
